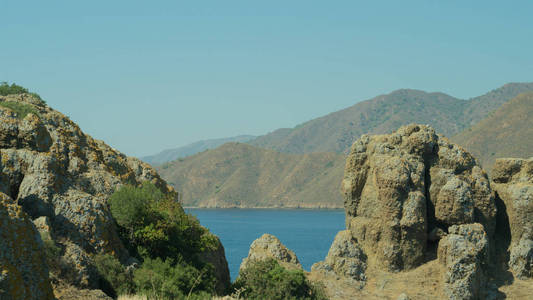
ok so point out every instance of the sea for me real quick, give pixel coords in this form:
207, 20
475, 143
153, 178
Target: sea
307, 232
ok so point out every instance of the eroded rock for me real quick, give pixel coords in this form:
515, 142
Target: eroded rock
345, 259
270, 247
400, 187
513, 182
464, 253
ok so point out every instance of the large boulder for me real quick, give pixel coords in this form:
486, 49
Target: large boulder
513, 182
464, 254
345, 259
400, 187
54, 170
270, 247
23, 270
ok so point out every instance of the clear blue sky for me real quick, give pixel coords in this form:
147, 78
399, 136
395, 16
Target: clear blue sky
150, 75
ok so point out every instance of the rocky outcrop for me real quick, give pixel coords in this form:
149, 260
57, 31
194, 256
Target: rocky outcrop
513, 182
57, 172
464, 253
270, 247
23, 271
345, 259
400, 187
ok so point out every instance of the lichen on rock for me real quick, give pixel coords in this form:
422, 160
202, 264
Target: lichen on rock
23, 270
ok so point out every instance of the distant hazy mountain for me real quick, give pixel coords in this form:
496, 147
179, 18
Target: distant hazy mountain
172, 154
507, 132
336, 131
240, 175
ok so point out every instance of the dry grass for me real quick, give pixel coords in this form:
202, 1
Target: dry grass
138, 297
132, 297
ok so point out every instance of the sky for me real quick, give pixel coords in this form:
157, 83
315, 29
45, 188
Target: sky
145, 76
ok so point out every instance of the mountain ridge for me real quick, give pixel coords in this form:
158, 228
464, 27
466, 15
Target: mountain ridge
334, 132
191, 149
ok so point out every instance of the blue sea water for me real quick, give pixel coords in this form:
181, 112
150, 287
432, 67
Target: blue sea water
309, 233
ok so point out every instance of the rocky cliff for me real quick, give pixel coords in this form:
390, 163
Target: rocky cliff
56, 172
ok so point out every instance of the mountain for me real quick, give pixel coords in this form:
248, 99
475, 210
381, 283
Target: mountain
336, 131
240, 175
175, 153
507, 132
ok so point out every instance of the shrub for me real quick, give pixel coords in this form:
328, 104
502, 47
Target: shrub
266, 279
156, 229
155, 225
169, 280
113, 276
6, 89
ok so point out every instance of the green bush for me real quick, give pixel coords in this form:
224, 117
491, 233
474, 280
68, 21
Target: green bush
266, 279
114, 280
155, 228
168, 280
6, 89
154, 225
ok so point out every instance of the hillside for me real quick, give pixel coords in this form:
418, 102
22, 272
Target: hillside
336, 131
507, 132
81, 194
175, 153
240, 175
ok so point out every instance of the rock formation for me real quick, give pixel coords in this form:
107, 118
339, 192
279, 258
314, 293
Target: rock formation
53, 170
423, 221
269, 246
464, 253
410, 197
345, 259
513, 182
400, 187
23, 271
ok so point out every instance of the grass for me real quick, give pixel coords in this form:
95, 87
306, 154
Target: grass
21, 110
132, 297
140, 297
